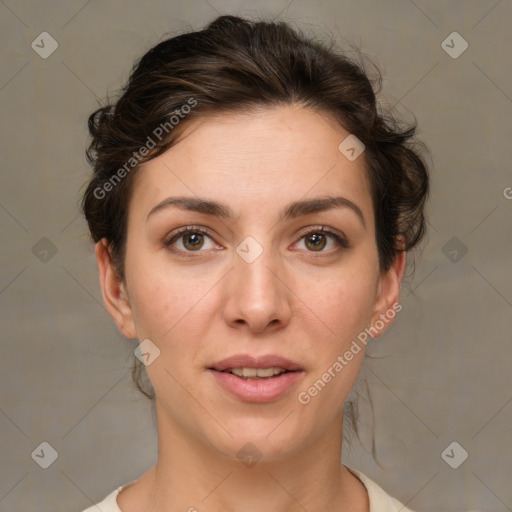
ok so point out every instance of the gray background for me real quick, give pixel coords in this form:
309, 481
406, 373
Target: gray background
446, 376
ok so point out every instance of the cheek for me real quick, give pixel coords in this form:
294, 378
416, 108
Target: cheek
170, 311
164, 304
344, 305
162, 294
344, 302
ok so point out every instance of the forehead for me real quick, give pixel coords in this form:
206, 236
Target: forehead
258, 159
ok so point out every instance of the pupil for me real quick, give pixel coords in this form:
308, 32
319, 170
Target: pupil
193, 241
317, 241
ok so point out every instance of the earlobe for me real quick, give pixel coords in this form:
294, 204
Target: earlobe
388, 295
113, 291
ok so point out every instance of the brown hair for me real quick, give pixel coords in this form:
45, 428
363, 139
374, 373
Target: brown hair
232, 65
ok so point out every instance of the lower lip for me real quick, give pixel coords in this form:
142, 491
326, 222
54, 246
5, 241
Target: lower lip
261, 390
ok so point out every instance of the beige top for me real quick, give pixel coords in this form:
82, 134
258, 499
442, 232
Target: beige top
380, 501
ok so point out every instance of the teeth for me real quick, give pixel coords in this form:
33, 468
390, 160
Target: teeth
256, 372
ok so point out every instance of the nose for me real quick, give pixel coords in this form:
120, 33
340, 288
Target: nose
257, 297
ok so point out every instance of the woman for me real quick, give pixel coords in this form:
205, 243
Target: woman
252, 210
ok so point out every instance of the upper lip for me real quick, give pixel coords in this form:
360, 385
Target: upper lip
247, 361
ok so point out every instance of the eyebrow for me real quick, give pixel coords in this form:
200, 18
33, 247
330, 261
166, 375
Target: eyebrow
291, 211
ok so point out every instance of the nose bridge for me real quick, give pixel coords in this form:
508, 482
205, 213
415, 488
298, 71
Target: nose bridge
257, 295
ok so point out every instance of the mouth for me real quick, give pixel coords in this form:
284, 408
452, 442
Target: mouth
266, 366
257, 373
257, 379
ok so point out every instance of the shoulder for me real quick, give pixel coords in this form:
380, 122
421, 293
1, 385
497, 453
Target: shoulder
380, 501
108, 504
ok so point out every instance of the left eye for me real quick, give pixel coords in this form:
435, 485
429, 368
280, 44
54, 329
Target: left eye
317, 241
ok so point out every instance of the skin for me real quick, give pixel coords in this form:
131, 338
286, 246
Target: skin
302, 304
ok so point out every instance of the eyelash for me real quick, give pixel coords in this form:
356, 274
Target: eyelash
339, 238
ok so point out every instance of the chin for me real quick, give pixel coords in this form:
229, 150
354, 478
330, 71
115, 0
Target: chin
266, 440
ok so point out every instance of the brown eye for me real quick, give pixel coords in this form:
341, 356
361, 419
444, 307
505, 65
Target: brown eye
193, 241
315, 241
189, 240
323, 240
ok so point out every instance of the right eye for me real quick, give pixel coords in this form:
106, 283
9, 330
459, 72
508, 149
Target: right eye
189, 239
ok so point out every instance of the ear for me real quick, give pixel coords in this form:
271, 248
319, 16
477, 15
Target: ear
388, 296
114, 292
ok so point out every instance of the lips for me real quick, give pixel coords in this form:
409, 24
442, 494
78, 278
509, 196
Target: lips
239, 361
256, 389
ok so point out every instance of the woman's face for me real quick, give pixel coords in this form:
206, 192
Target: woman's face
264, 271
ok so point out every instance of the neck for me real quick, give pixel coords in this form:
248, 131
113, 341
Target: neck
192, 476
